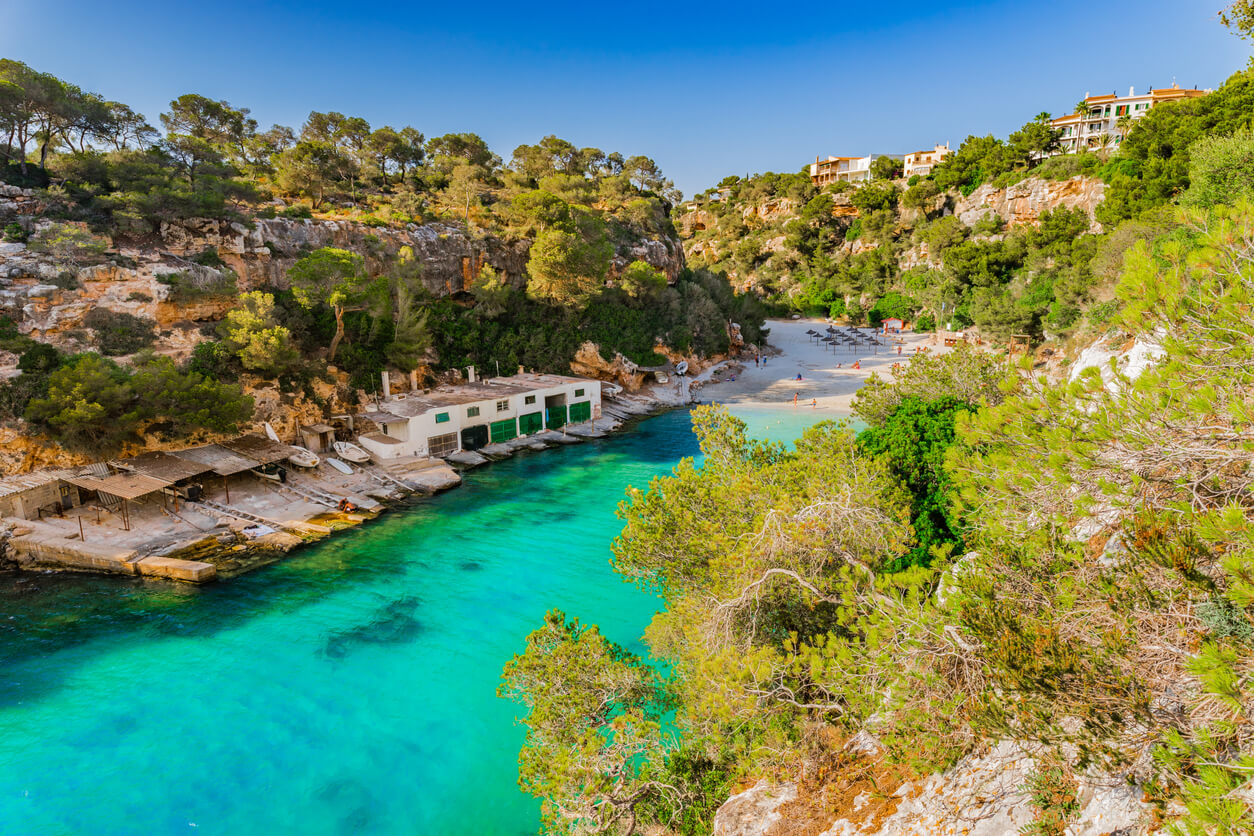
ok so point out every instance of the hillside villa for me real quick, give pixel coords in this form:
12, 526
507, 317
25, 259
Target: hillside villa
1106, 120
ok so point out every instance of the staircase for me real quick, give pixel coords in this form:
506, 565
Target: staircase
315, 495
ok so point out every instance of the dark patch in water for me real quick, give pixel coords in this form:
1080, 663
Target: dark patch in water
470, 566
394, 624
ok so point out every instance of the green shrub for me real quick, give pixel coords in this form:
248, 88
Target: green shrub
14, 234
297, 212
209, 258
1052, 788
189, 285
119, 333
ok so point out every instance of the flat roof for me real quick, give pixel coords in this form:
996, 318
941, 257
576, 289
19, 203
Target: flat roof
382, 439
412, 405
218, 459
163, 466
260, 449
317, 428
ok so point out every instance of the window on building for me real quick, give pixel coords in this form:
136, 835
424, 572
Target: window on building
502, 406
578, 393
441, 417
1122, 110
472, 412
530, 399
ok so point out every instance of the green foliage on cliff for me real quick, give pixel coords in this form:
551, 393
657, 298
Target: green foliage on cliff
92, 403
1104, 615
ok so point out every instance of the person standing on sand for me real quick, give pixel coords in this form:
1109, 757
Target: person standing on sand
757, 361
795, 395
814, 403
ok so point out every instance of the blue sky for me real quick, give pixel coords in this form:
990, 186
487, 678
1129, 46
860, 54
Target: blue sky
705, 89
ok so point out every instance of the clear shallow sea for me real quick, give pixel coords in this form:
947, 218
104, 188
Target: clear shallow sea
349, 689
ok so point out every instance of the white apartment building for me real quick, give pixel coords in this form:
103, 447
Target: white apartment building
845, 169
450, 419
922, 162
1105, 122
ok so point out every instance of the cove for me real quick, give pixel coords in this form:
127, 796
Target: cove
349, 689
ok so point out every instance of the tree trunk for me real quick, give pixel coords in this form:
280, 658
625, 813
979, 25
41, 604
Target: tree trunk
339, 331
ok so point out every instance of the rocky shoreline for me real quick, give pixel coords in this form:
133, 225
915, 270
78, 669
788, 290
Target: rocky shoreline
229, 550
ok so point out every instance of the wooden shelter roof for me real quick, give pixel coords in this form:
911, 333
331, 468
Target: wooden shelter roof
123, 485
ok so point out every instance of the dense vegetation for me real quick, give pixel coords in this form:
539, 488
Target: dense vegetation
844, 251
1065, 564
110, 177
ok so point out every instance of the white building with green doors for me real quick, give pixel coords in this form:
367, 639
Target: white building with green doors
451, 419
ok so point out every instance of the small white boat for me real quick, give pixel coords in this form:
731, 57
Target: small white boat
340, 466
303, 458
350, 451
270, 433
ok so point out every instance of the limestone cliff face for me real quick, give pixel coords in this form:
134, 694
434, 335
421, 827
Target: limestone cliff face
262, 255
451, 259
1025, 202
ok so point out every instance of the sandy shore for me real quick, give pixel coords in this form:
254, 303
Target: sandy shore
828, 379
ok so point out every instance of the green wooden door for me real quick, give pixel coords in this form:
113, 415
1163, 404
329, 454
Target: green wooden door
555, 416
580, 412
530, 423
503, 431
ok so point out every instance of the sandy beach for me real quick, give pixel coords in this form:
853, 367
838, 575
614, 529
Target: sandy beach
828, 379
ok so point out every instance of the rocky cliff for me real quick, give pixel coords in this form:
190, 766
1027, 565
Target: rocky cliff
1025, 202
982, 795
48, 298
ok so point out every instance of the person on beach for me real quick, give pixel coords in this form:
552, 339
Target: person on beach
795, 395
857, 364
814, 404
757, 361
798, 377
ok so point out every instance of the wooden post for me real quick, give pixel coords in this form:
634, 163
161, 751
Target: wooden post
226, 486
81, 538
126, 515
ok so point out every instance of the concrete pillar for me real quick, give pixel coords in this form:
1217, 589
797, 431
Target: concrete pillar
387, 384
470, 374
413, 381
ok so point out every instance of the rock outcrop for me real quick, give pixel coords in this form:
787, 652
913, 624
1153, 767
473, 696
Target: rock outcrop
1025, 202
982, 795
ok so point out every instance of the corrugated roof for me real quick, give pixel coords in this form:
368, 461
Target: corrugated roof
218, 459
27, 481
164, 466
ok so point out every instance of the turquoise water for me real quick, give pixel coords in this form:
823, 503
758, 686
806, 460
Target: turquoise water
348, 689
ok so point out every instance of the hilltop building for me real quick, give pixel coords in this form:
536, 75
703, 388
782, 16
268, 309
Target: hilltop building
1107, 118
451, 419
845, 169
922, 162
